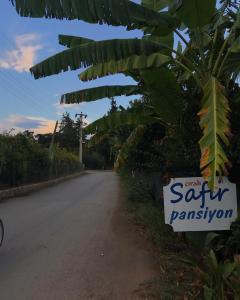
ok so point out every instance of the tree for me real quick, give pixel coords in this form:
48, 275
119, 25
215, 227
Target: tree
114, 106
67, 137
207, 55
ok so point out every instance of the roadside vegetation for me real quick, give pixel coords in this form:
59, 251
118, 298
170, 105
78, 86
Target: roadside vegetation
23, 160
175, 281
204, 267
184, 123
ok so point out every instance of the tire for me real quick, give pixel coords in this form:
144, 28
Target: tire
1, 232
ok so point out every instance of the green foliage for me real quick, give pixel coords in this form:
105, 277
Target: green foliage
164, 94
98, 93
221, 279
94, 160
97, 139
196, 13
64, 162
131, 143
132, 117
114, 107
205, 61
215, 124
72, 41
93, 53
140, 202
156, 5
130, 64
23, 160
225, 244
121, 12
68, 135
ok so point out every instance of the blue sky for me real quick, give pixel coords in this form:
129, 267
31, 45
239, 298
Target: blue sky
33, 104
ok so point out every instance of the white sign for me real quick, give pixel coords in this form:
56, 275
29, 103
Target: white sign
190, 205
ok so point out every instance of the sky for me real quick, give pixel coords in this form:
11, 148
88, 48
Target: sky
32, 104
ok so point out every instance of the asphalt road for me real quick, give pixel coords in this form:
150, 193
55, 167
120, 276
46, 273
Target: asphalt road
71, 241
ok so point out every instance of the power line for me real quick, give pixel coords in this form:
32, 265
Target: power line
20, 91
23, 90
12, 44
14, 92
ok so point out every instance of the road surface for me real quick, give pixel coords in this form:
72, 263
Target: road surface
71, 241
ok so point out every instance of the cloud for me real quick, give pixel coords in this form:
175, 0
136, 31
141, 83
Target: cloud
71, 106
24, 55
61, 108
32, 123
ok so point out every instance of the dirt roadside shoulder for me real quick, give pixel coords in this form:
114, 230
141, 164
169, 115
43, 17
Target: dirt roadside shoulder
136, 258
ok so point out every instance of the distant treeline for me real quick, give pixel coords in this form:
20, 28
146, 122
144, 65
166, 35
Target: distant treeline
67, 137
24, 160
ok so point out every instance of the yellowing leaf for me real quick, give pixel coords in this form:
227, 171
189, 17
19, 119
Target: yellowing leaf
215, 125
204, 158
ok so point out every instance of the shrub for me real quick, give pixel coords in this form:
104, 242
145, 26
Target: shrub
23, 160
225, 244
94, 160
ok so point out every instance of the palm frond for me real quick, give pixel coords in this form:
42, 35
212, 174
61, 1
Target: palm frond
118, 119
111, 12
232, 63
155, 5
97, 138
93, 53
72, 41
131, 144
132, 63
215, 125
98, 93
164, 93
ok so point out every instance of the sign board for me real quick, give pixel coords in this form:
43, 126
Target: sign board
190, 205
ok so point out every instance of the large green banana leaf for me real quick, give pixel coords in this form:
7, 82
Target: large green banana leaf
132, 63
72, 41
215, 125
127, 117
98, 93
167, 40
97, 138
131, 143
196, 13
112, 12
93, 53
155, 5
232, 64
164, 93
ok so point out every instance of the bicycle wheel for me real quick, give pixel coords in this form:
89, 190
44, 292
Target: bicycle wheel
1, 232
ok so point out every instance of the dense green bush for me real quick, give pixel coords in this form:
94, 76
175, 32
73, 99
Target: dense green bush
220, 279
64, 162
94, 160
226, 244
140, 202
23, 160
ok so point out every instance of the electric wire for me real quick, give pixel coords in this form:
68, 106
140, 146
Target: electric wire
20, 85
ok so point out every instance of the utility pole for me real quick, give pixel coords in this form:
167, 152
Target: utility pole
52, 142
81, 123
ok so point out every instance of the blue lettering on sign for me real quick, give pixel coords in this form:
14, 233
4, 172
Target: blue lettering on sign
180, 195
208, 215
192, 194
174, 216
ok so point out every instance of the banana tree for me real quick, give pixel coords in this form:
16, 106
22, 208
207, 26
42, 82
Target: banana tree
133, 121
207, 52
